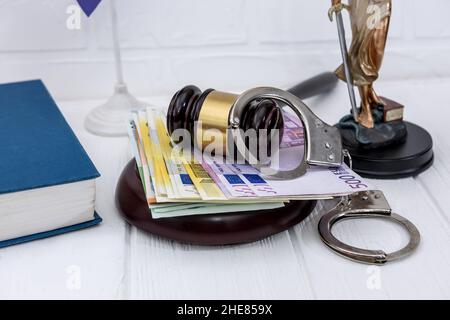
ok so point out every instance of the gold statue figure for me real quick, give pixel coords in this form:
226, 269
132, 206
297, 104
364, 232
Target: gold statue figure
370, 24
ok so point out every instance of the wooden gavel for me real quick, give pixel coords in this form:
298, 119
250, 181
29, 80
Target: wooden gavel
212, 108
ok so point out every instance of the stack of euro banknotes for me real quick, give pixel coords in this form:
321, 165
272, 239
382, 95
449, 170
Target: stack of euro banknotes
176, 185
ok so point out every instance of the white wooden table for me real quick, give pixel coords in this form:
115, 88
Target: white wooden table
117, 261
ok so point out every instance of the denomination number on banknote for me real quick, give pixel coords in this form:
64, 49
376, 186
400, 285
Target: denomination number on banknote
351, 180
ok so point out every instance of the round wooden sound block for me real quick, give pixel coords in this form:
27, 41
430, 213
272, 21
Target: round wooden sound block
215, 229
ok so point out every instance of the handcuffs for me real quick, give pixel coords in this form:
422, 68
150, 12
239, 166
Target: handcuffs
323, 147
368, 204
323, 144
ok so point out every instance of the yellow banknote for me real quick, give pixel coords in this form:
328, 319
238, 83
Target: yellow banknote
159, 164
181, 182
141, 161
157, 179
205, 185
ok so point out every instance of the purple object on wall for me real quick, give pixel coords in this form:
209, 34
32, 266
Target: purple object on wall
88, 6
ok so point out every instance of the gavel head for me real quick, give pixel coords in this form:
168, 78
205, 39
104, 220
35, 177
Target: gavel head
197, 112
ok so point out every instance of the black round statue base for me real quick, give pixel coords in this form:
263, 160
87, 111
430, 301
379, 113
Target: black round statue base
216, 229
408, 159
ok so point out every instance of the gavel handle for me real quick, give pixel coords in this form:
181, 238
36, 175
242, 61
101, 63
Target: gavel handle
314, 86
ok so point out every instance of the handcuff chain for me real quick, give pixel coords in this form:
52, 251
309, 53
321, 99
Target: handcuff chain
347, 154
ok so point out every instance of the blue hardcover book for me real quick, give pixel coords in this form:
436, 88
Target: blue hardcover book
47, 181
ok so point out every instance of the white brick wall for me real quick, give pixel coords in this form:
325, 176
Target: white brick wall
225, 44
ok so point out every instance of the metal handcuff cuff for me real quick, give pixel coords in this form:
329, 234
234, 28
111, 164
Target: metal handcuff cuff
323, 147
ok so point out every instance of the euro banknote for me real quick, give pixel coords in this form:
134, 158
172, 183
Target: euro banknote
242, 180
218, 208
293, 133
141, 161
181, 182
143, 131
166, 210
